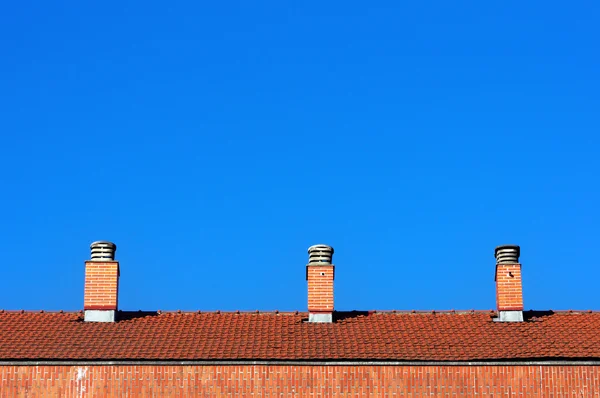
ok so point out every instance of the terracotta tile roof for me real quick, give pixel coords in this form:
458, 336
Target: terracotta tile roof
286, 336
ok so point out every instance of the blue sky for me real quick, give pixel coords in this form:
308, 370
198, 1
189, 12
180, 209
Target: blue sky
215, 142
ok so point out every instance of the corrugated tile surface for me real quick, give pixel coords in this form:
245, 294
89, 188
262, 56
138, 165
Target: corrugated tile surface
287, 336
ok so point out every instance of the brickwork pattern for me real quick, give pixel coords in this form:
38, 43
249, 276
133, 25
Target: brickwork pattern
291, 381
509, 288
320, 288
101, 285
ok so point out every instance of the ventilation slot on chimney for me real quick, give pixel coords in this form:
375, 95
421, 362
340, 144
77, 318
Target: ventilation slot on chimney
320, 255
507, 254
103, 251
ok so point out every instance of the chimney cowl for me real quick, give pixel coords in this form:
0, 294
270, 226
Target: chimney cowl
320, 255
507, 254
103, 251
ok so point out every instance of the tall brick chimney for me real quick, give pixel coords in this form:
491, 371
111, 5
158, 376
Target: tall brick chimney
509, 288
101, 283
320, 273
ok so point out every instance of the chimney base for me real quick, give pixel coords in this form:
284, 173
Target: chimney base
320, 318
99, 315
510, 316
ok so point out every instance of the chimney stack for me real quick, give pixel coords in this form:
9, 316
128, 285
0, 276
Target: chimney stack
320, 273
101, 283
509, 288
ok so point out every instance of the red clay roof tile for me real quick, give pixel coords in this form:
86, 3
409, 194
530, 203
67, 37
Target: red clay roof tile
451, 336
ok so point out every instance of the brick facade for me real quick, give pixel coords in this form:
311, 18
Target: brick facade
292, 380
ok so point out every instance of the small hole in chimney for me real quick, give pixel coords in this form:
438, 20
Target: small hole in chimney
322, 273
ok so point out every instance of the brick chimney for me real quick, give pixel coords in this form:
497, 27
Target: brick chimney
101, 283
320, 273
509, 288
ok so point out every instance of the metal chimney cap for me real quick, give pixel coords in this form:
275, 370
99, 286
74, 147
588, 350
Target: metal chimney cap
105, 242
507, 254
320, 254
103, 250
319, 247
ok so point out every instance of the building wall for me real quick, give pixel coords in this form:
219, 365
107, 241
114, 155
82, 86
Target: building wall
289, 381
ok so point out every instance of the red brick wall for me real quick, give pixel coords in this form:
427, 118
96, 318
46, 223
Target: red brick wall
288, 381
101, 285
320, 288
509, 288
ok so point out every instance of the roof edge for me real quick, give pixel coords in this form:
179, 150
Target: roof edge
554, 362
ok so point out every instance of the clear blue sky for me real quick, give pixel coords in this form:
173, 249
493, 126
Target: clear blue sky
215, 142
